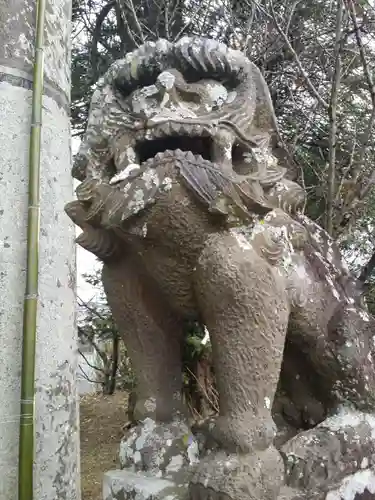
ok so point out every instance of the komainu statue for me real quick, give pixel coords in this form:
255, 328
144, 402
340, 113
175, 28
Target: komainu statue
194, 218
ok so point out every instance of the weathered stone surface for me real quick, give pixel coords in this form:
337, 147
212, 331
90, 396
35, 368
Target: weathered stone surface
194, 219
323, 456
17, 34
127, 485
358, 486
57, 434
251, 476
161, 449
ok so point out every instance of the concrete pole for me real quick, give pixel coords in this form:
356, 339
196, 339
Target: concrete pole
57, 431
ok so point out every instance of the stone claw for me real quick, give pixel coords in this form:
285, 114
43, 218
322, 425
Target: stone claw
86, 190
311, 459
222, 476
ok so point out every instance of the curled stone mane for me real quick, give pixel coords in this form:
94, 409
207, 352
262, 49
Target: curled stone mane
198, 57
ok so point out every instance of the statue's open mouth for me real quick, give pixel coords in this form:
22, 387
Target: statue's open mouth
198, 139
147, 149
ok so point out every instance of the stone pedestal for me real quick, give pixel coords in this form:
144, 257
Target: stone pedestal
333, 461
358, 486
127, 485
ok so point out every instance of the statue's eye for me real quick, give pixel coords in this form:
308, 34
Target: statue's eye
189, 96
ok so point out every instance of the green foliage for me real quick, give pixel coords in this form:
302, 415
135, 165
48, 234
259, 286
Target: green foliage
198, 390
193, 351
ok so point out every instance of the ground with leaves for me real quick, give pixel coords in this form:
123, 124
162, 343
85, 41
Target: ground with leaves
102, 420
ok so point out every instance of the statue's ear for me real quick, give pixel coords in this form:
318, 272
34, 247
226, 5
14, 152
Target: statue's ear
264, 122
264, 119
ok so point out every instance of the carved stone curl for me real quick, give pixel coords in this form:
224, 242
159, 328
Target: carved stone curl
193, 218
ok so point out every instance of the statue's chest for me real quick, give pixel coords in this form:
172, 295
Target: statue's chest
168, 238
173, 275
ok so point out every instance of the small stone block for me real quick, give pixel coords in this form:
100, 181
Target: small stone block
127, 485
358, 486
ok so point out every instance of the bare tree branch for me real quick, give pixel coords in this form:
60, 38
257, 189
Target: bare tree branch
121, 29
291, 14
89, 363
87, 377
95, 312
371, 87
94, 54
357, 31
191, 21
129, 5
91, 340
297, 60
332, 113
354, 198
122, 6
248, 28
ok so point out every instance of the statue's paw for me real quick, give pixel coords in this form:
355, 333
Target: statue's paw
86, 190
311, 458
103, 204
242, 434
161, 449
76, 211
223, 476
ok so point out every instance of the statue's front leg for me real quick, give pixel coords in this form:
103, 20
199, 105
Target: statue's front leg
245, 308
152, 335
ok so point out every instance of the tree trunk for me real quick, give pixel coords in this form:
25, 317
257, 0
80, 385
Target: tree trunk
56, 467
110, 370
114, 367
132, 401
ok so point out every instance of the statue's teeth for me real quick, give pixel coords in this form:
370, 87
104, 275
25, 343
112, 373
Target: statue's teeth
188, 129
175, 128
153, 134
161, 155
182, 130
165, 128
190, 156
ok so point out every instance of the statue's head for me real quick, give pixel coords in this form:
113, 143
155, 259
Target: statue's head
196, 95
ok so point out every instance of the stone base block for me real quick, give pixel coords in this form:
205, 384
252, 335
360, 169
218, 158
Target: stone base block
358, 486
127, 485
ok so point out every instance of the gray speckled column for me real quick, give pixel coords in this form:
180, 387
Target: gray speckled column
57, 436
